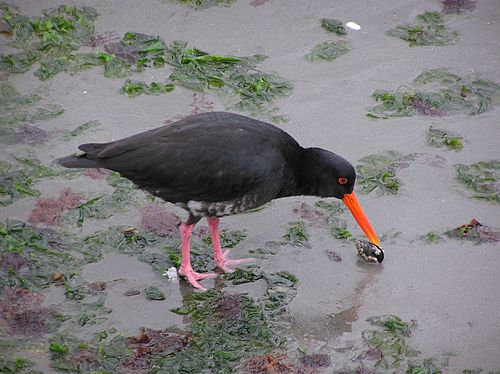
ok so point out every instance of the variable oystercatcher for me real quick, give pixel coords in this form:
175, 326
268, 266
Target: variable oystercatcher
217, 164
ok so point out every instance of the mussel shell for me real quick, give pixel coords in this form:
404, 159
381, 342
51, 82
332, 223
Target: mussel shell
370, 252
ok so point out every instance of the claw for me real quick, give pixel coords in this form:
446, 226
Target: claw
223, 261
193, 277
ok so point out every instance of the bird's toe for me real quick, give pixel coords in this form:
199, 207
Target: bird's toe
222, 263
193, 277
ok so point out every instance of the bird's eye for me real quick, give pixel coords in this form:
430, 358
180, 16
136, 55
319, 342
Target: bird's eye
342, 180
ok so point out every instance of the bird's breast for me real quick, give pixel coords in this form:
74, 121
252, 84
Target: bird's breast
223, 208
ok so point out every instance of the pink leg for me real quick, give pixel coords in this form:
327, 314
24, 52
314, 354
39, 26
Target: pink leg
186, 270
221, 259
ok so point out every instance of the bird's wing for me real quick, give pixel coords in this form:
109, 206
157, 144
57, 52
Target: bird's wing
192, 169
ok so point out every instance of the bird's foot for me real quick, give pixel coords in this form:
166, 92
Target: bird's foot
193, 277
223, 262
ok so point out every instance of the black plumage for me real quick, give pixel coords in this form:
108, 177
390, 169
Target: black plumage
216, 164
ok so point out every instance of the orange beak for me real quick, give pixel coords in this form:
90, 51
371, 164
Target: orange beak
352, 203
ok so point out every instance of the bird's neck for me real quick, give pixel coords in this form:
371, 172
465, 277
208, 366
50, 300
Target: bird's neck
308, 178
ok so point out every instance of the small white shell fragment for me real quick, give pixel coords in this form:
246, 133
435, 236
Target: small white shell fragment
171, 274
353, 25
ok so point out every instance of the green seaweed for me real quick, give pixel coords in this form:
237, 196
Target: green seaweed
440, 138
437, 92
154, 293
228, 239
390, 338
334, 219
83, 128
104, 206
482, 178
328, 51
378, 172
432, 237
71, 354
134, 52
132, 242
333, 25
31, 255
281, 290
427, 366
17, 365
429, 29
236, 79
136, 88
203, 4
296, 234
16, 108
225, 329
175, 258
241, 276
51, 38
17, 181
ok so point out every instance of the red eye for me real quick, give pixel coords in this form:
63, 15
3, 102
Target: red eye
343, 180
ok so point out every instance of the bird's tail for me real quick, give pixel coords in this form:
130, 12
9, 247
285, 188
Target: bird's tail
88, 159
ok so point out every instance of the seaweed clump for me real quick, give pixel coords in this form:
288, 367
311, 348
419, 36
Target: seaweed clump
16, 108
475, 232
17, 365
29, 256
150, 344
224, 330
429, 29
50, 39
49, 211
333, 25
437, 92
229, 330
17, 181
203, 4
236, 79
325, 214
296, 234
482, 178
103, 206
458, 6
328, 51
71, 354
440, 138
378, 172
228, 239
388, 342
21, 312
334, 218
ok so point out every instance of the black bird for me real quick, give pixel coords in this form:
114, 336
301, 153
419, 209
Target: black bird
217, 164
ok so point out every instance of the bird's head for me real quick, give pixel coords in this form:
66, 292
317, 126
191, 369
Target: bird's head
335, 177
